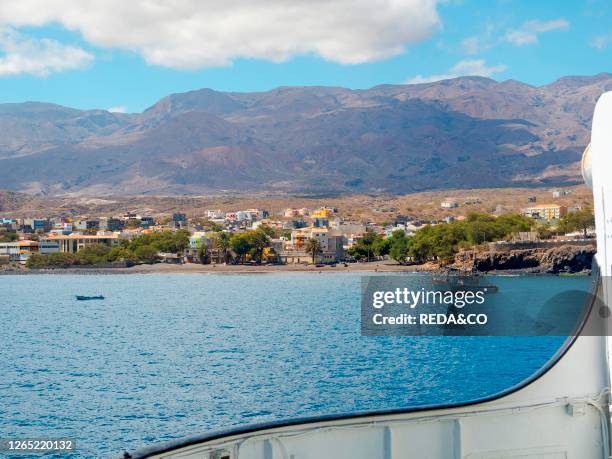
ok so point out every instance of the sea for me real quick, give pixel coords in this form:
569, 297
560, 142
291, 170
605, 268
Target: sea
165, 356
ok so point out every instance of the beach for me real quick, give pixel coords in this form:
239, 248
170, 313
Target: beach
192, 268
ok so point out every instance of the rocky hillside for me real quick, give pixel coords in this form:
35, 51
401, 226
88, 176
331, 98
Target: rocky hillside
563, 259
460, 133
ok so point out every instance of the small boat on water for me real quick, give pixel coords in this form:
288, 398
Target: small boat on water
85, 298
465, 280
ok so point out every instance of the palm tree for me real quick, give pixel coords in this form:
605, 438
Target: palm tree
203, 253
221, 243
313, 247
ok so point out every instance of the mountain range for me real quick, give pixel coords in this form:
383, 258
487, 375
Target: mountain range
468, 132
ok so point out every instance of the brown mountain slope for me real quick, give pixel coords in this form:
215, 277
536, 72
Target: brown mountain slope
460, 133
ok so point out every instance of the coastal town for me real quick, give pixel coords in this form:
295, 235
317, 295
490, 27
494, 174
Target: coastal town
308, 236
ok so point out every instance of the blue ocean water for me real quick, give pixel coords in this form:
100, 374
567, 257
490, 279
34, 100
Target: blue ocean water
165, 356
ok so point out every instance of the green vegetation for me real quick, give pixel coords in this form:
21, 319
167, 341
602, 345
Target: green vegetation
368, 246
313, 247
250, 244
53, 260
161, 241
581, 220
221, 243
142, 249
8, 236
443, 241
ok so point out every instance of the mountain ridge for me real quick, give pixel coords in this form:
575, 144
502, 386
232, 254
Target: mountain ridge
457, 133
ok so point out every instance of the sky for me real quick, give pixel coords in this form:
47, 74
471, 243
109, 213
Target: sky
125, 55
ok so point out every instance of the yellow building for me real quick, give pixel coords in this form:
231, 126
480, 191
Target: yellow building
323, 212
546, 211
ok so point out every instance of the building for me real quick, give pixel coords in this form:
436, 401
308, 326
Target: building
37, 224
20, 251
546, 212
242, 216
257, 214
324, 212
320, 222
449, 204
72, 243
84, 225
560, 193
275, 224
147, 222
9, 224
290, 213
111, 224
332, 246
215, 214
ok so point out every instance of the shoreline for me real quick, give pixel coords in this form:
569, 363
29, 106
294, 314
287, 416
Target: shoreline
194, 268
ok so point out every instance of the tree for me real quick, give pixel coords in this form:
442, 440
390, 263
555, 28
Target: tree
258, 241
544, 230
581, 220
120, 254
365, 246
94, 253
313, 247
53, 260
146, 254
241, 245
399, 249
8, 236
267, 230
221, 243
213, 226
203, 255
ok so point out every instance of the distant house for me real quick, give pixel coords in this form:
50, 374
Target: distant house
546, 212
147, 222
449, 204
560, 193
215, 214
324, 212
37, 224
111, 224
532, 199
84, 225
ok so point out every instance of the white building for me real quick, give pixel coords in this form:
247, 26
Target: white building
20, 251
215, 214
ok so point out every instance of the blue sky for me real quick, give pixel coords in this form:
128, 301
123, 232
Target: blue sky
127, 57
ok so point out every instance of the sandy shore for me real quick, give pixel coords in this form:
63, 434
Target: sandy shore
165, 268
221, 268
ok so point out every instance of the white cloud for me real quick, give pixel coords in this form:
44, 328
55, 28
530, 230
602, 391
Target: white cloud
601, 42
201, 33
476, 67
478, 43
118, 109
20, 54
527, 34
